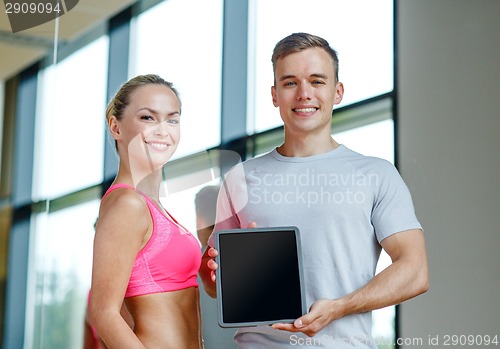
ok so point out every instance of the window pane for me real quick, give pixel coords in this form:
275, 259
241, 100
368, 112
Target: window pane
59, 276
361, 31
181, 205
69, 142
181, 40
5, 225
376, 139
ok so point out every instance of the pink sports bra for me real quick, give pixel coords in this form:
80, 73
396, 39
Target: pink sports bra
169, 261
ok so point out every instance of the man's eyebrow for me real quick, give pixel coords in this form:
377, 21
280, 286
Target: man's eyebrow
284, 77
315, 75
319, 75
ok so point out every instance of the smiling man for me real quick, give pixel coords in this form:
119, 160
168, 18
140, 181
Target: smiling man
344, 224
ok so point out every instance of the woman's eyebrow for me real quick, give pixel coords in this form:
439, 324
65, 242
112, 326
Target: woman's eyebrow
155, 112
152, 111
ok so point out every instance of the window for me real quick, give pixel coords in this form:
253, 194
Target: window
375, 139
69, 150
181, 205
186, 177
69, 142
60, 273
70, 130
360, 31
190, 59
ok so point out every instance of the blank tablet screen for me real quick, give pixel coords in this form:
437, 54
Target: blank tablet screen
259, 276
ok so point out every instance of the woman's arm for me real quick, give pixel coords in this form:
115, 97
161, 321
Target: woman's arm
122, 229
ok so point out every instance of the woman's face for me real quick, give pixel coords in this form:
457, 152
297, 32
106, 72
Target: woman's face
149, 131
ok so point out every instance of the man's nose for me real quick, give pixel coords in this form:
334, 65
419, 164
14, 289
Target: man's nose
304, 92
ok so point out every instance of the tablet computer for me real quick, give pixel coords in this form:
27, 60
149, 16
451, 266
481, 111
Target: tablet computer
260, 277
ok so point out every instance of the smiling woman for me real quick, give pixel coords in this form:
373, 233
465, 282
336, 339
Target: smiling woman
144, 121
142, 256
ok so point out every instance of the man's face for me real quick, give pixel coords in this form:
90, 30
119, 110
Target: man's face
306, 91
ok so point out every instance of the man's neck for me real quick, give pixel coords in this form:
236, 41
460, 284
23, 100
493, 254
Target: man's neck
304, 147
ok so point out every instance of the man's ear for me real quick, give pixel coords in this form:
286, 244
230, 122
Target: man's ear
114, 127
273, 94
339, 92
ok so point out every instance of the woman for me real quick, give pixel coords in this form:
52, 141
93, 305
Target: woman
142, 256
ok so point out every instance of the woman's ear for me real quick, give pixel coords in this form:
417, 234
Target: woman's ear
114, 127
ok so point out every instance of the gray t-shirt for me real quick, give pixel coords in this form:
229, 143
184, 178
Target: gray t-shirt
344, 204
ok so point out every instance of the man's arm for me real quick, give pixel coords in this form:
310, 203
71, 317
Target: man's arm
405, 278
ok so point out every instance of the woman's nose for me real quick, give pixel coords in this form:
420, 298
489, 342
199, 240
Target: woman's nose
161, 129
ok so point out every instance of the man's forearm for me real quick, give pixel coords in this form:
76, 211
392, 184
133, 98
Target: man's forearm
397, 283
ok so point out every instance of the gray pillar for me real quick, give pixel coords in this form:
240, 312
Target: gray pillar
234, 77
119, 43
22, 178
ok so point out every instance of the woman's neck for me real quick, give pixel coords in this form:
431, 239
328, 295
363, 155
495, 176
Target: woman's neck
149, 184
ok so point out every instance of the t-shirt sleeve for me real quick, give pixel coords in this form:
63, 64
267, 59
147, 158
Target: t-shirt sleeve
393, 209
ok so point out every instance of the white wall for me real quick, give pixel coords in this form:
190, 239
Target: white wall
449, 155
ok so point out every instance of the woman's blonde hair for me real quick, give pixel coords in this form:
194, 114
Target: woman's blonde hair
121, 100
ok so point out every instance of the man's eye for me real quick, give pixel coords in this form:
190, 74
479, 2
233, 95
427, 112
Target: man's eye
318, 82
289, 83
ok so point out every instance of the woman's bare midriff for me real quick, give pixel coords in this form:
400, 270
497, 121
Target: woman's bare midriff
167, 320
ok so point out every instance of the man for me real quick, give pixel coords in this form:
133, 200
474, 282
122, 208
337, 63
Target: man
347, 207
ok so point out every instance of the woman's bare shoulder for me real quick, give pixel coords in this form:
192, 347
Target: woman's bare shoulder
123, 207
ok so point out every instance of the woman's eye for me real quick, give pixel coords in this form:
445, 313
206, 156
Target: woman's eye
174, 121
147, 117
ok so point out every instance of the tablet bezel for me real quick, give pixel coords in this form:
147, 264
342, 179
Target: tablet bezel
220, 272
